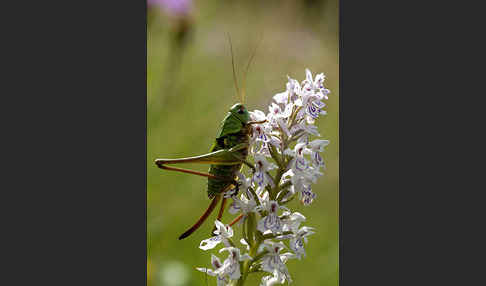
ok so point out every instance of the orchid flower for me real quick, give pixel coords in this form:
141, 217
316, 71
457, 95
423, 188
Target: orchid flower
287, 162
222, 233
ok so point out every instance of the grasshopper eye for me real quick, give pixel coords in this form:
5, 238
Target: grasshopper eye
241, 111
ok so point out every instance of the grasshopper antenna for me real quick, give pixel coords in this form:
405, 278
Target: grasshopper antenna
243, 94
233, 65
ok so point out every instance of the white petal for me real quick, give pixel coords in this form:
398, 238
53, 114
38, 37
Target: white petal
243, 241
268, 264
311, 129
286, 256
288, 110
318, 144
257, 115
207, 271
308, 75
210, 243
273, 280
310, 120
219, 225
261, 226
274, 109
296, 216
319, 78
229, 249
281, 97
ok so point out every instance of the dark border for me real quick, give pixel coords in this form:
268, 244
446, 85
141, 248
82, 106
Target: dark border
78, 143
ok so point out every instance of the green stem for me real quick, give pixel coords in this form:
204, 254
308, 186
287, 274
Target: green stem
244, 233
259, 256
274, 192
246, 265
255, 196
231, 242
293, 115
274, 154
285, 185
251, 228
284, 188
287, 201
254, 237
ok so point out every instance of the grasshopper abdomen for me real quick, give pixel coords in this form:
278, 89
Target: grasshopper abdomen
216, 186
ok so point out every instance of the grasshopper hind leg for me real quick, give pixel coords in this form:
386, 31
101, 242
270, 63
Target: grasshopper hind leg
205, 215
232, 192
209, 210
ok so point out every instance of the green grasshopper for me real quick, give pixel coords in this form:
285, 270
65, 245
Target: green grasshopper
226, 157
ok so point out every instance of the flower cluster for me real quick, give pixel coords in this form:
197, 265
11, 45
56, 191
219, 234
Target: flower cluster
175, 8
286, 163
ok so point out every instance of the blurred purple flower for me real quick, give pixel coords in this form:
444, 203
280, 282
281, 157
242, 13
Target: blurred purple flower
175, 8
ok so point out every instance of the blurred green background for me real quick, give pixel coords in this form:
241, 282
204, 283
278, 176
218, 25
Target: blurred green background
189, 90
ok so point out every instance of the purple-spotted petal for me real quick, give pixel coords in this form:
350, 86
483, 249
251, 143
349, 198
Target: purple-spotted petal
301, 164
270, 222
308, 196
297, 245
234, 208
317, 158
313, 111
318, 104
259, 178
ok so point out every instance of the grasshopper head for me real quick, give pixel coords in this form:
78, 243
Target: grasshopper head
240, 111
